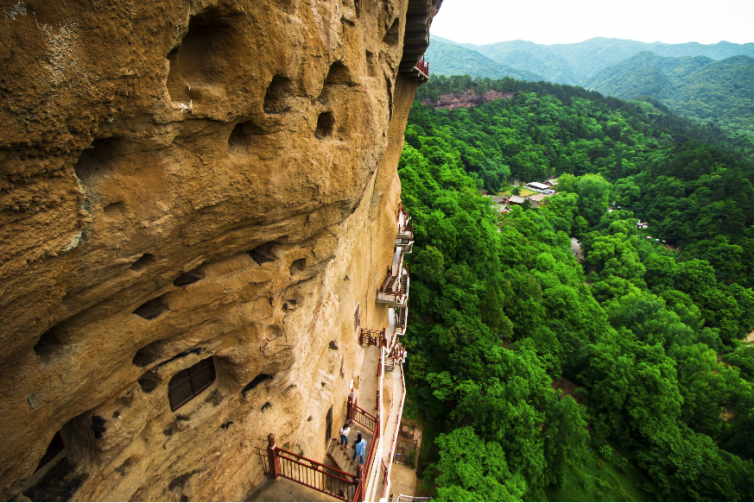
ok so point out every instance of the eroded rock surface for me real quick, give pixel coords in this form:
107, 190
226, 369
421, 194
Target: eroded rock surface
184, 180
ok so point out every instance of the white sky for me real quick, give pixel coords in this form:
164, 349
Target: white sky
569, 21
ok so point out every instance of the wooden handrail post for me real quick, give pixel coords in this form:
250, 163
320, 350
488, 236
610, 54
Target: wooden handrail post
359, 482
377, 428
272, 455
349, 410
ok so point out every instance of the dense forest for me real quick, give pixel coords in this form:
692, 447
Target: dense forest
701, 88
649, 334
709, 83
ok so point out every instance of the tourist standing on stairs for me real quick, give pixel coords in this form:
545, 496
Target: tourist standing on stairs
344, 432
359, 448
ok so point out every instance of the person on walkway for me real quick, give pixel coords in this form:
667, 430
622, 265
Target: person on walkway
359, 448
344, 432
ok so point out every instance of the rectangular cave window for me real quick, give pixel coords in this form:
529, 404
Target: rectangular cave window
188, 383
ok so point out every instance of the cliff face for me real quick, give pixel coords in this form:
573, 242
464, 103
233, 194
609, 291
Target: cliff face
183, 181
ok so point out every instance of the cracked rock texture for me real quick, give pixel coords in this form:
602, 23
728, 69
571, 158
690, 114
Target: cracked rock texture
181, 180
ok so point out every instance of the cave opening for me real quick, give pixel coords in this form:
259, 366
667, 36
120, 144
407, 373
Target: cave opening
143, 262
339, 74
148, 381
151, 309
298, 266
243, 136
50, 341
97, 159
254, 383
277, 92
188, 278
262, 254
203, 58
325, 125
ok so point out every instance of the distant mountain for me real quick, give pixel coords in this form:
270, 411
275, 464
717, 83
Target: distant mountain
532, 57
577, 63
698, 87
646, 74
450, 59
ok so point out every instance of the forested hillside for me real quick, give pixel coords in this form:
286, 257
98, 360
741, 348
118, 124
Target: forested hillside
649, 335
721, 92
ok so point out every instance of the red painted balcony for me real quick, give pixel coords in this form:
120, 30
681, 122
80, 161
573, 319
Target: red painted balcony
423, 67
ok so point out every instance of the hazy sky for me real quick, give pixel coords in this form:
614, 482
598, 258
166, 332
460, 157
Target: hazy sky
568, 21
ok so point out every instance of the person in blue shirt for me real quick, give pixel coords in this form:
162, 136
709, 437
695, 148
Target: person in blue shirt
359, 448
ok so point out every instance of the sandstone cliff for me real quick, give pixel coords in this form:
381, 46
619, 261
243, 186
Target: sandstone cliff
183, 180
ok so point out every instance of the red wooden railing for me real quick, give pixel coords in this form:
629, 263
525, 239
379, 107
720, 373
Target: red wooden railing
384, 478
407, 227
375, 440
371, 337
383, 287
353, 413
341, 485
400, 209
361, 416
379, 380
423, 66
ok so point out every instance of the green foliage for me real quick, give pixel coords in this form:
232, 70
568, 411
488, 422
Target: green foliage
473, 470
721, 92
589, 477
500, 307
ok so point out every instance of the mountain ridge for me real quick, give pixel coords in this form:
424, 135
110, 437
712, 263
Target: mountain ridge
576, 63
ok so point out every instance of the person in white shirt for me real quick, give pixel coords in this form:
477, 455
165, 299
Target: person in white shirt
344, 431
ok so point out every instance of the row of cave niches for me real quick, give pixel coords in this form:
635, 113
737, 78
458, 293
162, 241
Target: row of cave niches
278, 99
53, 341
203, 59
215, 39
56, 477
102, 156
206, 57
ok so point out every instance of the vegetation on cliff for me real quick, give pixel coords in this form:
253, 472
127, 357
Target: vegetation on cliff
501, 307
